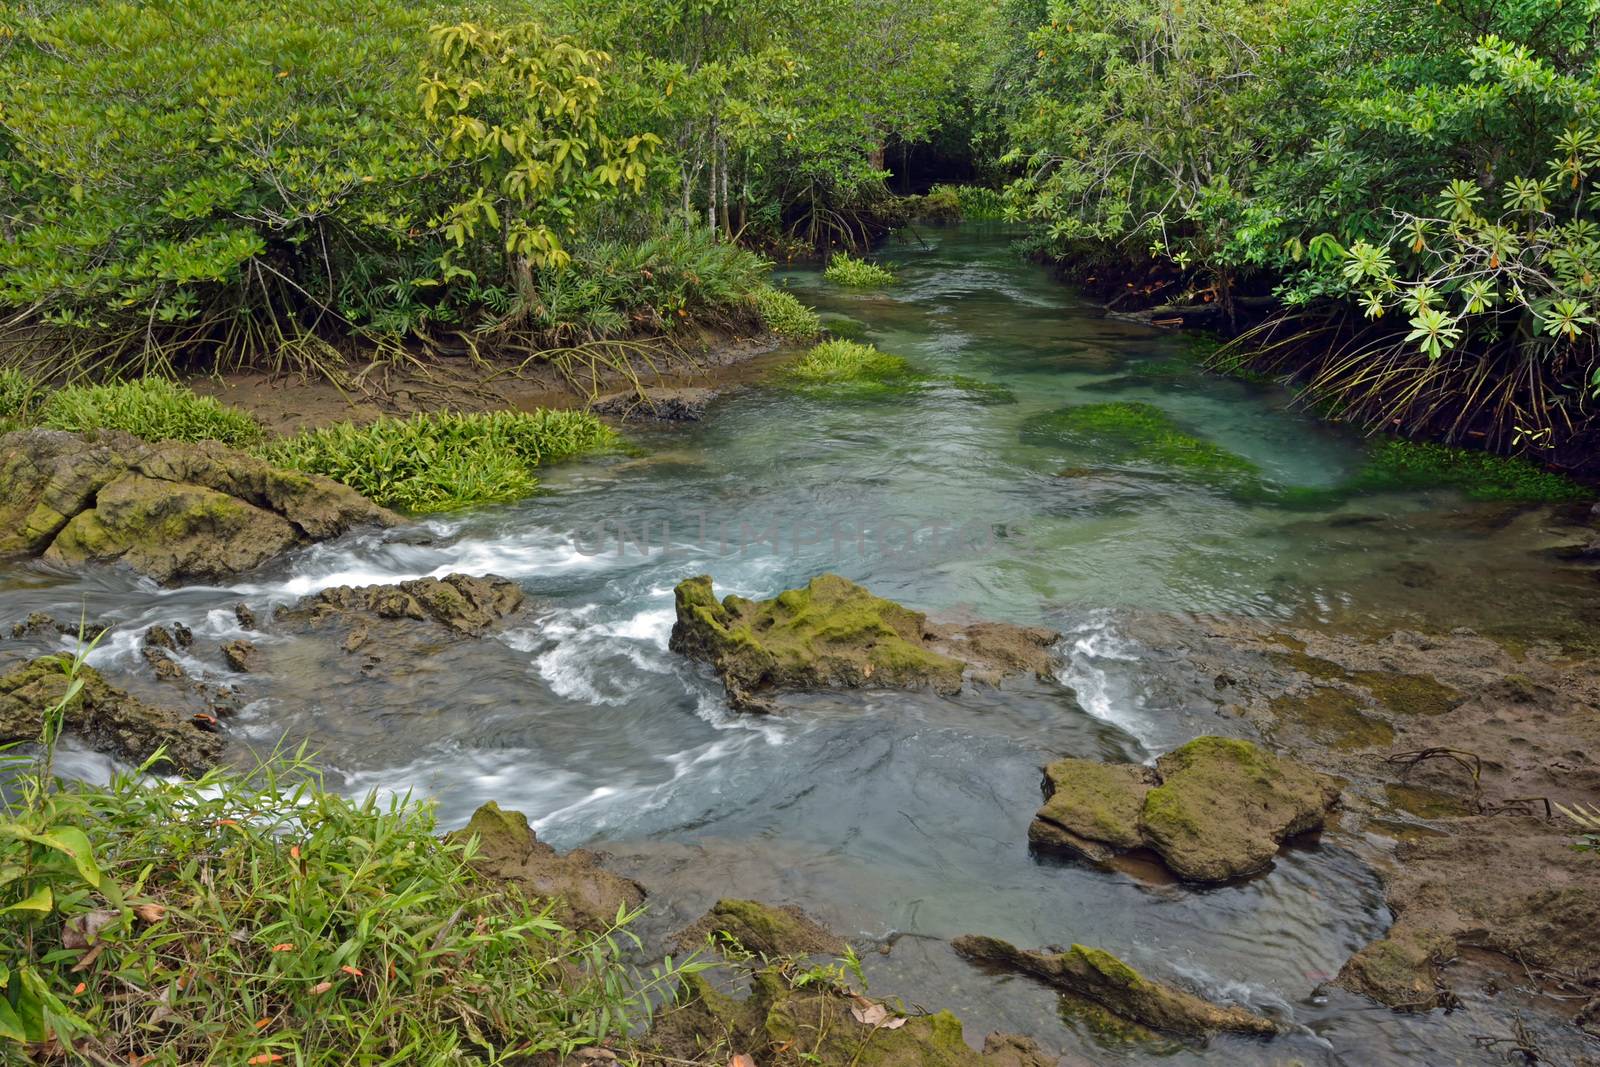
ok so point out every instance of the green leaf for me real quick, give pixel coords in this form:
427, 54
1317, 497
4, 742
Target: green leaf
40, 900
74, 844
10, 1025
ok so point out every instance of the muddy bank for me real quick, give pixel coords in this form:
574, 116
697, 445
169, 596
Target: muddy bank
1451, 750
287, 405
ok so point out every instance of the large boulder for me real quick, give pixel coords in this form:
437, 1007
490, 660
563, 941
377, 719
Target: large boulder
508, 850
1216, 809
175, 511
105, 718
834, 634
1095, 974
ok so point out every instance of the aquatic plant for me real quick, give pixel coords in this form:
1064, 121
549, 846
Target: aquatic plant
444, 461
1398, 464
257, 917
845, 269
152, 408
784, 315
941, 204
979, 203
850, 361
1136, 431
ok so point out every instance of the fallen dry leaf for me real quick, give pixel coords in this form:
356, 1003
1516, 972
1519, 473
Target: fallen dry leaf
81, 931
321, 988
741, 1060
875, 1015
87, 959
150, 913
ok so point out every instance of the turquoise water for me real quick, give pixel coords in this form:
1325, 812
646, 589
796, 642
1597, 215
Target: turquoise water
899, 814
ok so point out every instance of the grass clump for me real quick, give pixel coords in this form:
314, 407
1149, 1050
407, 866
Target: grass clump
18, 394
784, 315
152, 408
845, 269
260, 918
444, 461
849, 361
1136, 431
1401, 464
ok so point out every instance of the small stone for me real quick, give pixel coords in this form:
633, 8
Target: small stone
245, 617
240, 654
166, 668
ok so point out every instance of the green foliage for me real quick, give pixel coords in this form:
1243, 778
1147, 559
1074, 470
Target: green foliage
444, 461
152, 408
839, 361
845, 269
785, 316
975, 203
257, 917
1400, 464
18, 393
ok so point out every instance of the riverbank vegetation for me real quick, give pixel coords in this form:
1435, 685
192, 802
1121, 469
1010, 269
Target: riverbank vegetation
256, 917
1399, 202
444, 461
1395, 209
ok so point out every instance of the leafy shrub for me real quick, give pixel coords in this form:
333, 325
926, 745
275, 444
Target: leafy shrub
785, 316
152, 408
443, 461
258, 917
942, 204
848, 361
845, 269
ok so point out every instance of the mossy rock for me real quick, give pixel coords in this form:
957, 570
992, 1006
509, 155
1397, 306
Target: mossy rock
1138, 432
1393, 691
1215, 809
764, 929
173, 511
1426, 803
1225, 805
1092, 808
585, 894
105, 718
834, 634
1099, 976
1401, 971
461, 603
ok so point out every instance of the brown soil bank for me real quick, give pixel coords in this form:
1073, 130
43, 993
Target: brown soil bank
287, 404
1453, 749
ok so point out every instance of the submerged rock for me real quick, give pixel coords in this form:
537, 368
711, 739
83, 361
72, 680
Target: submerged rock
508, 850
174, 511
764, 929
1097, 975
1215, 809
104, 717
458, 602
240, 654
834, 634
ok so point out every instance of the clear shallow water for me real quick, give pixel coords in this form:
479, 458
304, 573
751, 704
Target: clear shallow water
888, 813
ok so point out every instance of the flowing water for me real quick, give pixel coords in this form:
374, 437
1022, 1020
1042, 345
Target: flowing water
897, 817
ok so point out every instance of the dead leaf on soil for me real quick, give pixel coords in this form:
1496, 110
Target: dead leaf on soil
82, 930
741, 1060
875, 1015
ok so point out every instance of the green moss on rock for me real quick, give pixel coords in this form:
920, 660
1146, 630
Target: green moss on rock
1215, 809
1398, 464
1141, 433
764, 929
1099, 976
833, 634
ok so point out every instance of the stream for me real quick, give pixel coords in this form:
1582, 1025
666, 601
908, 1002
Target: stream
898, 816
